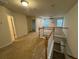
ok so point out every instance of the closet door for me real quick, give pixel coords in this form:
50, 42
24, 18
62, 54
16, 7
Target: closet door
12, 27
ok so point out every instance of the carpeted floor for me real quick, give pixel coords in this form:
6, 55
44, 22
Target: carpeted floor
27, 47
57, 55
57, 46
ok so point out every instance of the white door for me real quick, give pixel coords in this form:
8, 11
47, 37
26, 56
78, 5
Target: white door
12, 27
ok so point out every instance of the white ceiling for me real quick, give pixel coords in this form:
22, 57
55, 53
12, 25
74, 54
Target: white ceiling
41, 7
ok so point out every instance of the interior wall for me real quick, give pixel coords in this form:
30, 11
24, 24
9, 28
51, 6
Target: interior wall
6, 32
71, 21
38, 24
20, 22
41, 20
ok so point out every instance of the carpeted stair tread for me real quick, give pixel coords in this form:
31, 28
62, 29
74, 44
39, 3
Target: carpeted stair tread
57, 55
57, 46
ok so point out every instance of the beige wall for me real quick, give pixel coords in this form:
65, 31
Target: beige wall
6, 32
6, 29
20, 22
71, 21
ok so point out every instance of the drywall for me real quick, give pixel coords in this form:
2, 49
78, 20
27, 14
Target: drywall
20, 22
71, 21
44, 22
6, 32
38, 24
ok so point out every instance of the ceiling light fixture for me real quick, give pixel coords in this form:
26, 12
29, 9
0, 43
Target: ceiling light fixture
24, 3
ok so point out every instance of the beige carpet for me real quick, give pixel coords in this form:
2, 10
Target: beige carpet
27, 47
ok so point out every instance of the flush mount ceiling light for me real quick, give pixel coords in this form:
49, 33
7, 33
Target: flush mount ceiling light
24, 3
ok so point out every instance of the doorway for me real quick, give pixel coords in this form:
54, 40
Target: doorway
33, 26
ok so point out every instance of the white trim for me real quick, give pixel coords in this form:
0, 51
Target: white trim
6, 44
51, 50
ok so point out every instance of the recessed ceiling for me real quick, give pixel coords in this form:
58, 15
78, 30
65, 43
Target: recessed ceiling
41, 7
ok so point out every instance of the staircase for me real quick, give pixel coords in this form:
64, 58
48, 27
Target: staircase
58, 51
60, 43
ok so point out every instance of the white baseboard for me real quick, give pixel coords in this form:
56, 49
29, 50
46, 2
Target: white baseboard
6, 44
21, 36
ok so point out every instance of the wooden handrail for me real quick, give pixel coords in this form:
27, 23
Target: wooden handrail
47, 38
50, 28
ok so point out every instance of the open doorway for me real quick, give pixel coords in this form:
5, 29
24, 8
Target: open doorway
33, 26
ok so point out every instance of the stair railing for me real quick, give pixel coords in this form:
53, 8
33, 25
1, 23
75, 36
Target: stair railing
43, 35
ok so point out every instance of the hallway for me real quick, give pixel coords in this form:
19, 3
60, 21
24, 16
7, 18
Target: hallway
38, 29
27, 47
